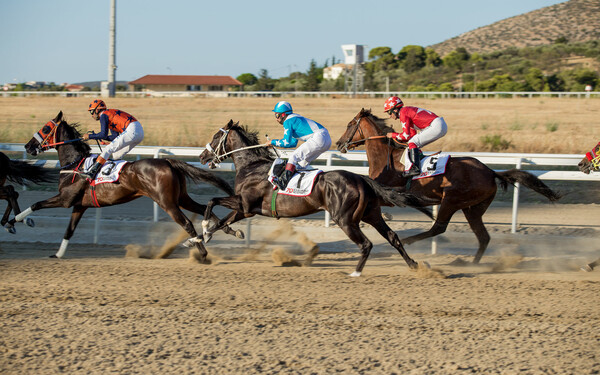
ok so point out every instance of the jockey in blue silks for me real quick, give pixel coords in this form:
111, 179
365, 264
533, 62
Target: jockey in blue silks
316, 140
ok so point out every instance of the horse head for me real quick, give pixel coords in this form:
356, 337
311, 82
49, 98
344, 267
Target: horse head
591, 161
362, 127
217, 150
57, 133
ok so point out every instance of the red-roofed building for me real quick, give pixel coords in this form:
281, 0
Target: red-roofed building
152, 82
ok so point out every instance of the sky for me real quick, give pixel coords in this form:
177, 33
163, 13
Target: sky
68, 40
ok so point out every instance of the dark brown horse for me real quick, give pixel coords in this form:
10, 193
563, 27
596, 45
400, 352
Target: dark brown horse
162, 180
349, 198
591, 161
467, 184
18, 172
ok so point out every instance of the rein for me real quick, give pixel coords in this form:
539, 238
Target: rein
221, 146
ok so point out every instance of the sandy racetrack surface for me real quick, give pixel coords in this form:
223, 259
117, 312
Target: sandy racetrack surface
527, 308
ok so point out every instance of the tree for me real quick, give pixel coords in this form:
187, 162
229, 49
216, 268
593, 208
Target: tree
314, 76
432, 58
247, 79
535, 79
456, 59
264, 82
412, 58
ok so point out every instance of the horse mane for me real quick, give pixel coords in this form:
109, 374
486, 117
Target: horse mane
72, 131
382, 126
250, 138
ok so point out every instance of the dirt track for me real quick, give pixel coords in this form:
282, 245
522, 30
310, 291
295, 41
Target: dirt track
526, 309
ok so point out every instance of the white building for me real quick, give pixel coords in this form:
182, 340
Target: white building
334, 71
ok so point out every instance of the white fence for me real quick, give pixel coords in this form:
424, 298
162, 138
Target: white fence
513, 160
315, 94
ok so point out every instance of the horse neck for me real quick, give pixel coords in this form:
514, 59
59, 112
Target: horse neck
383, 157
243, 158
68, 154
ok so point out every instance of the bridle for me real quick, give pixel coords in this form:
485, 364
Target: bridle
220, 153
358, 129
46, 140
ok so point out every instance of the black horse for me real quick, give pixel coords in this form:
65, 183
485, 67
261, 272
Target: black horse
349, 198
162, 180
18, 172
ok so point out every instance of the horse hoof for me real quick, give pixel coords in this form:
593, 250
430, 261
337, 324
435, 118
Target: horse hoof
191, 242
29, 222
53, 256
10, 229
586, 268
355, 274
239, 234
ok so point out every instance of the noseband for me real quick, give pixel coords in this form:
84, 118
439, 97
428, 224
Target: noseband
219, 153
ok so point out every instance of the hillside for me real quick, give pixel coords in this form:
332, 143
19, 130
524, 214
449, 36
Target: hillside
575, 20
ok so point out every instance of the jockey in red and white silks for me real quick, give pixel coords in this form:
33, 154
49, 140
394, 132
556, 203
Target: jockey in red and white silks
420, 127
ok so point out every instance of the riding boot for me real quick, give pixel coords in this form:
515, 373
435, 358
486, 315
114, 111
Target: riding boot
91, 173
286, 176
414, 155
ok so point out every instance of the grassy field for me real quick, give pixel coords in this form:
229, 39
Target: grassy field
537, 125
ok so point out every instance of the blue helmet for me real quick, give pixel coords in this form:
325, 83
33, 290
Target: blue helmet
283, 107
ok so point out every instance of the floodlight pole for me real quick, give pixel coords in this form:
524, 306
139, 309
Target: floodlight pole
112, 62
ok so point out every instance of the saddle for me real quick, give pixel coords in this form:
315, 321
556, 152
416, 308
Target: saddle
301, 183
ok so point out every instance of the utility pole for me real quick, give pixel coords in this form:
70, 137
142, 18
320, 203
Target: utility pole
112, 62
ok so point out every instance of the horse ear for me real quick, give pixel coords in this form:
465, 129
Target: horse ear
230, 123
58, 117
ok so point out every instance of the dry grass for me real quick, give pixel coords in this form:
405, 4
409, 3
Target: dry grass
538, 125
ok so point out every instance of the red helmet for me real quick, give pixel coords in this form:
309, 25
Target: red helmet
391, 103
97, 106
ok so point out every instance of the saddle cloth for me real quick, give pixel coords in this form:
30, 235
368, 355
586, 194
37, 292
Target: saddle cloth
109, 171
301, 183
432, 165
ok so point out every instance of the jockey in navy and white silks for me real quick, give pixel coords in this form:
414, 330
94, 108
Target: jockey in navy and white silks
316, 140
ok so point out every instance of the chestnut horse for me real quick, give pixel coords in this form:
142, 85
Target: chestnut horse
591, 161
467, 185
18, 172
349, 198
162, 180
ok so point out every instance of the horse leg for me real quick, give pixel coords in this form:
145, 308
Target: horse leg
187, 203
375, 219
439, 226
353, 232
76, 215
234, 203
179, 217
474, 215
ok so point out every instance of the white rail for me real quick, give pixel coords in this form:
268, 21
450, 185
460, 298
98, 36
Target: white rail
331, 158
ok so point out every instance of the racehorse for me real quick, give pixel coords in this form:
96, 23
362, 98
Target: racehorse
162, 180
591, 161
467, 184
18, 172
349, 198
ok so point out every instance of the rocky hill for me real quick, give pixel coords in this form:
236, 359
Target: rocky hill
575, 20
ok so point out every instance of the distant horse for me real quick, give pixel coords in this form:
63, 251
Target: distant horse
591, 161
162, 180
467, 184
349, 198
18, 172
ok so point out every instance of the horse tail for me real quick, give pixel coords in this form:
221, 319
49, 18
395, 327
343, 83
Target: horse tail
526, 179
198, 175
20, 172
396, 198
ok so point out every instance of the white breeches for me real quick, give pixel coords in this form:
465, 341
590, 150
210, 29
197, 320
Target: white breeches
436, 130
311, 149
120, 146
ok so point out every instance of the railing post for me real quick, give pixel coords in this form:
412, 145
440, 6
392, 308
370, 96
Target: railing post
155, 205
327, 214
515, 206
97, 224
434, 239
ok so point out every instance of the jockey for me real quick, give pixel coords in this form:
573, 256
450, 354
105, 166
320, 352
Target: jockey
316, 140
430, 125
126, 133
